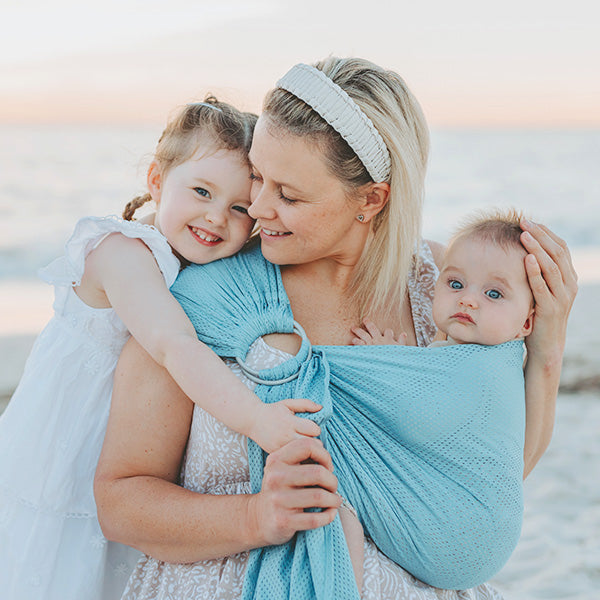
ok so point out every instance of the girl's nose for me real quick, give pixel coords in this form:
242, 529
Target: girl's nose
216, 215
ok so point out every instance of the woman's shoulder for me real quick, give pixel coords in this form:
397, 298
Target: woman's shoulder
436, 250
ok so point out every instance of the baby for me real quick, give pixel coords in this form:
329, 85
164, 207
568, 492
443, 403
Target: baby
482, 296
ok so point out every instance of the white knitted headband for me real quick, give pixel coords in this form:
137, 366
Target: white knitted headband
341, 112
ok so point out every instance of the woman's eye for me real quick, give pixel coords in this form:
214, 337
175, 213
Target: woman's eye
202, 192
455, 285
254, 177
241, 209
286, 199
493, 294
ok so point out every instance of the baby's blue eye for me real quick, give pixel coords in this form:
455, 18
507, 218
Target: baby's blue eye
202, 192
493, 294
241, 209
455, 285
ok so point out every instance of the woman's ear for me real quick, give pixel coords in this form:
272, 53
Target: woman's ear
374, 197
154, 181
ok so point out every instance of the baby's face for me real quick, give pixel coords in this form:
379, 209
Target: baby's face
482, 295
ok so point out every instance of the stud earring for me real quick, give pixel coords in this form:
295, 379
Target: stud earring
360, 218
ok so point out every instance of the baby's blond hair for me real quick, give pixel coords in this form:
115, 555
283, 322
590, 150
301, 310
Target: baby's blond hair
498, 226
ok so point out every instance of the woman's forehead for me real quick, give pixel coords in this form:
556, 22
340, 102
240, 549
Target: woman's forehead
284, 156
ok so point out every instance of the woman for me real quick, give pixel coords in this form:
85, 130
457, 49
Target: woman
338, 198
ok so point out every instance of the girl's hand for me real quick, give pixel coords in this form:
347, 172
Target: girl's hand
297, 476
553, 281
274, 425
370, 335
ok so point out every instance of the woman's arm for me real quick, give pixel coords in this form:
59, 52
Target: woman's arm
553, 282
141, 505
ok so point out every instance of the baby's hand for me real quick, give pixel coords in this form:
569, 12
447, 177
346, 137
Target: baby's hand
370, 335
277, 424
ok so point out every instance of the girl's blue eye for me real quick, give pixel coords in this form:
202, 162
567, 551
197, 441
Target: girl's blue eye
455, 285
241, 209
493, 294
254, 177
202, 192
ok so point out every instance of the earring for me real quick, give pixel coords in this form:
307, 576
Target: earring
360, 218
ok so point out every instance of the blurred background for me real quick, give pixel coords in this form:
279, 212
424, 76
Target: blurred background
511, 92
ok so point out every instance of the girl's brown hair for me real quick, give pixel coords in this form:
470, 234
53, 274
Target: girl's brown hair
227, 127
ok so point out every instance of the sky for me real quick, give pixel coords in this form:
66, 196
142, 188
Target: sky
471, 63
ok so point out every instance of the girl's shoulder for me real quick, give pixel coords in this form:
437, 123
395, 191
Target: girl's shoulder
89, 232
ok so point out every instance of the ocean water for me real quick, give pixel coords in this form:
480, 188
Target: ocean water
52, 175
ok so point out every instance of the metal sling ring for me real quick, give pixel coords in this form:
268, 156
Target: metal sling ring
254, 375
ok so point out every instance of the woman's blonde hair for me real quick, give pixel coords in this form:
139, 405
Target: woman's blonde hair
218, 122
380, 277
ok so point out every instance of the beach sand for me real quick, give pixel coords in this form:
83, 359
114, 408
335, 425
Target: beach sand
558, 556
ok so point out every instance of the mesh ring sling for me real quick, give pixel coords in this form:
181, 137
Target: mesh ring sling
427, 443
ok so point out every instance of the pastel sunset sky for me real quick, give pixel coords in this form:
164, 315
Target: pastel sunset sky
470, 62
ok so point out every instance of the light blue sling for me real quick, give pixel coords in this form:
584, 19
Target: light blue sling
427, 443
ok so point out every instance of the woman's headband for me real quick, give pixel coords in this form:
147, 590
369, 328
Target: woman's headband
343, 114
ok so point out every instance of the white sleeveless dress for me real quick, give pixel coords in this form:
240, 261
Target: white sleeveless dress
51, 434
216, 462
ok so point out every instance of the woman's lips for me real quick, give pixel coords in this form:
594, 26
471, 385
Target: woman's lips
463, 317
205, 237
272, 234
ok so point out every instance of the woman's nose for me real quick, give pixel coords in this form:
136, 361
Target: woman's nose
261, 207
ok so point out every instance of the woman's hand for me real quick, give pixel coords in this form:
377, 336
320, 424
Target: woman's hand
297, 476
553, 281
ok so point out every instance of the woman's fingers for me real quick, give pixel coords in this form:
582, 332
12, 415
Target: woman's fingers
553, 256
302, 450
549, 268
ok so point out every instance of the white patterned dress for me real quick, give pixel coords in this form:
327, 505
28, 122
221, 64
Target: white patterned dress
216, 462
51, 434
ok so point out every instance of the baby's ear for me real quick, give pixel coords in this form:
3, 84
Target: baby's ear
528, 326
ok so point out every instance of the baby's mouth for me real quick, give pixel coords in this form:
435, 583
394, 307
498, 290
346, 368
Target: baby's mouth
463, 317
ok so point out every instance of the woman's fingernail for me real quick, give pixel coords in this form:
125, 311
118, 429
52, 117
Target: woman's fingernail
527, 236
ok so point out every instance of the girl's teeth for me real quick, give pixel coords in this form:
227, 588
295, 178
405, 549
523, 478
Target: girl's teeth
268, 232
204, 236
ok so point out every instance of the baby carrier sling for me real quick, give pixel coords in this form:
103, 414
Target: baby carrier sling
427, 443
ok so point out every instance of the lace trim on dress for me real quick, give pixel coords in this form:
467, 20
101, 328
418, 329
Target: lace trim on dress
89, 232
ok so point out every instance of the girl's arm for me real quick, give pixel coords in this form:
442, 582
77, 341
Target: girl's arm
553, 282
140, 504
125, 270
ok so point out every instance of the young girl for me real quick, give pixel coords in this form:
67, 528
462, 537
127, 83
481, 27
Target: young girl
114, 281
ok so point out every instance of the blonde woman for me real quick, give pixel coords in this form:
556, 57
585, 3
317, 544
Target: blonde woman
339, 158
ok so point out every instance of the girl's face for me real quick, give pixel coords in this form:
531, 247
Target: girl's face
203, 204
303, 210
